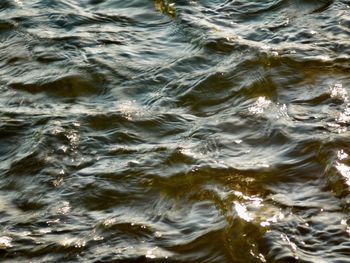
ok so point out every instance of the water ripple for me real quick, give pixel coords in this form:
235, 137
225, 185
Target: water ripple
177, 131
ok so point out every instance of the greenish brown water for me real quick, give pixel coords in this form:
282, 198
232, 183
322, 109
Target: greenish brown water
174, 131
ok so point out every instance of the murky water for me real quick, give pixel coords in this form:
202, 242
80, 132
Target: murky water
174, 131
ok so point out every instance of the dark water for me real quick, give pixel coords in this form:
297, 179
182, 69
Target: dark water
174, 131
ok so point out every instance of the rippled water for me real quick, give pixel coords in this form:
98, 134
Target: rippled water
174, 131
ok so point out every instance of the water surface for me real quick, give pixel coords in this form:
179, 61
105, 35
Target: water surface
174, 131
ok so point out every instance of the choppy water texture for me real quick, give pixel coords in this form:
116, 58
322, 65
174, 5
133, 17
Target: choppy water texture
174, 131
